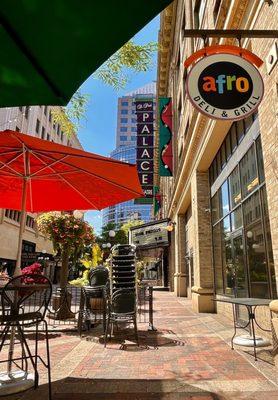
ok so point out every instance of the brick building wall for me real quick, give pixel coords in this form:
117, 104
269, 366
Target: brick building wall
197, 139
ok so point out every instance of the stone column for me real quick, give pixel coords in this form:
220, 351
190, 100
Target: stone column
202, 291
180, 283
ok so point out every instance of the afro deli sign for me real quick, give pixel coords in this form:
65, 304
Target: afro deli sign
225, 86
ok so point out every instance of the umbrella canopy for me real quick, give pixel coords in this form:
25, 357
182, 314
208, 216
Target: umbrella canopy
57, 177
50, 48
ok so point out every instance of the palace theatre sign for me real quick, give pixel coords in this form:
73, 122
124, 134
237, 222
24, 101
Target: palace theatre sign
145, 147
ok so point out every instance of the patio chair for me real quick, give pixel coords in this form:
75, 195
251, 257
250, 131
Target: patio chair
98, 288
122, 309
24, 301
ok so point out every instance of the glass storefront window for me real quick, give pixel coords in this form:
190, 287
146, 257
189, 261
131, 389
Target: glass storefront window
223, 156
233, 137
235, 192
227, 265
256, 254
236, 219
240, 130
215, 208
228, 147
248, 122
260, 159
224, 199
248, 172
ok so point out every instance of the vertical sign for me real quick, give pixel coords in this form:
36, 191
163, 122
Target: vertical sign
145, 147
165, 137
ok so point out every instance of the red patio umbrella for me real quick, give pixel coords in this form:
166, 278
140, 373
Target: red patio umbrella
37, 175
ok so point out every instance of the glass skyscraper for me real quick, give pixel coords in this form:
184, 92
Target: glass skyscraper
126, 151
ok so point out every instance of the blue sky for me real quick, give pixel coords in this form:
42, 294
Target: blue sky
99, 129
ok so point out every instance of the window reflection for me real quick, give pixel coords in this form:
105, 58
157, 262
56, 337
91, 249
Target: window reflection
248, 172
255, 247
235, 192
260, 159
224, 199
228, 272
236, 219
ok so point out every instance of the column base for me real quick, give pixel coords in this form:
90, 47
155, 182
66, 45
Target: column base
202, 300
180, 284
274, 308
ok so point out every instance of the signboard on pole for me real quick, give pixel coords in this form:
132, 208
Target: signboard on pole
145, 147
225, 87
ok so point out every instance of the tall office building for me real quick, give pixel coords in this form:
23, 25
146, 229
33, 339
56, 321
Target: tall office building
126, 138
35, 121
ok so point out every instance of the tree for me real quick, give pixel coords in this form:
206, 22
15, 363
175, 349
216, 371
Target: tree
129, 224
69, 236
114, 72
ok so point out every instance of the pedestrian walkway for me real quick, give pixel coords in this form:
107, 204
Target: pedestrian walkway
188, 357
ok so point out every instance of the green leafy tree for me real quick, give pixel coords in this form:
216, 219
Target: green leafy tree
114, 72
129, 224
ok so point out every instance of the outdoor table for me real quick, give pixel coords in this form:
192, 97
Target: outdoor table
251, 304
25, 380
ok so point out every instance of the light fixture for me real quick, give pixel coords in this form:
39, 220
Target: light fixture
103, 245
249, 234
108, 245
112, 233
170, 226
78, 214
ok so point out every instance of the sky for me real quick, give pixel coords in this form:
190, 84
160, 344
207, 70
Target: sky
98, 131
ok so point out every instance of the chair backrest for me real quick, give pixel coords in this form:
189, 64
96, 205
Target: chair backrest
123, 301
98, 276
25, 294
123, 250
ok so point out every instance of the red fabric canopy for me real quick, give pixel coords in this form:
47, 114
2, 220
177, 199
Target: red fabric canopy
59, 177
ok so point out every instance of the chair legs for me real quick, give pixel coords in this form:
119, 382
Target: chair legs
106, 330
111, 325
136, 330
48, 366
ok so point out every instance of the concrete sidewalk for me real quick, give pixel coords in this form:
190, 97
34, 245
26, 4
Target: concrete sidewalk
189, 357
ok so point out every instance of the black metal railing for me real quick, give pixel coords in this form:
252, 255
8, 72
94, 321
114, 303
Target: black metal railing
71, 301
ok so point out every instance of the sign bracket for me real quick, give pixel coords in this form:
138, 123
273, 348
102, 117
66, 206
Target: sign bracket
231, 33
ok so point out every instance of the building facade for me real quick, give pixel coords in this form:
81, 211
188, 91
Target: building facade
222, 197
126, 137
35, 121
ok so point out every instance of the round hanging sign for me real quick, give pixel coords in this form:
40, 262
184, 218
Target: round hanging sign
225, 86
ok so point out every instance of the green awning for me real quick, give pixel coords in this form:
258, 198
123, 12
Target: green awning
49, 48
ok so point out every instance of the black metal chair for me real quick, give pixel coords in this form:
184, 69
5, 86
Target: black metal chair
122, 308
98, 288
24, 301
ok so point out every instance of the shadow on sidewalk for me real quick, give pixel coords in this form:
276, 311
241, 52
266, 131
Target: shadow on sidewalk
118, 389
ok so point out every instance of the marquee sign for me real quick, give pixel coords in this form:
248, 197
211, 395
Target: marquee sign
145, 147
225, 86
151, 235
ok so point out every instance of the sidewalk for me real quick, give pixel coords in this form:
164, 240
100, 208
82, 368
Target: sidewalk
189, 357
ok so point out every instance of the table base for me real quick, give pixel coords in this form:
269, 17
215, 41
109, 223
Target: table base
15, 382
248, 341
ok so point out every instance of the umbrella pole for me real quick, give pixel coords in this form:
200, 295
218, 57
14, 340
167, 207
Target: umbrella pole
21, 227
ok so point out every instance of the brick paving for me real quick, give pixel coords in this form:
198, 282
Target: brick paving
187, 358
